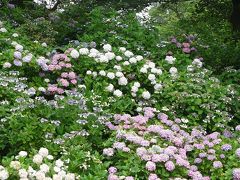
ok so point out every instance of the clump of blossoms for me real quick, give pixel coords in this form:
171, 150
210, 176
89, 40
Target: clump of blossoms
162, 145
40, 166
186, 46
61, 66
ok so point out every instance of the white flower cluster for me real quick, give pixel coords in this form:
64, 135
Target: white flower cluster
49, 170
170, 59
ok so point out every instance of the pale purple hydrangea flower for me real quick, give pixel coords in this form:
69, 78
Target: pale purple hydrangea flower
150, 166
141, 151
226, 147
211, 157
169, 166
112, 170
193, 168
153, 177
113, 177
211, 151
108, 151
237, 152
237, 128
236, 173
197, 160
202, 155
119, 145
222, 156
217, 164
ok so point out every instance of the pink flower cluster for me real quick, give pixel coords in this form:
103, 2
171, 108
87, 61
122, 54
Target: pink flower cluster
60, 63
185, 46
165, 142
112, 174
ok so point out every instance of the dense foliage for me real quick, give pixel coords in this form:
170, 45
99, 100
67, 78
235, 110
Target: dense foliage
103, 92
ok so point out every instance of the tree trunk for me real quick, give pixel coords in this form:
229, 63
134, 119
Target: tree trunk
235, 17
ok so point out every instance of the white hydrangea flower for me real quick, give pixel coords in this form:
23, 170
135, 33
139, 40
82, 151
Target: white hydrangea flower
110, 88
126, 63
117, 67
43, 152
4, 174
139, 58
119, 58
47, 80
15, 35
122, 81
143, 70
89, 72
111, 75
40, 175
137, 84
44, 168
70, 176
134, 89
110, 55
56, 177
157, 86
151, 77
103, 59
92, 55
159, 72
117, 93
23, 153
107, 47
146, 95
62, 173
151, 64
44, 44
119, 74
74, 54
93, 50
15, 165
22, 173
84, 51
50, 157
173, 71
139, 109
7, 65
133, 94
37, 159
154, 70
102, 73
197, 62
170, 59
94, 73
3, 30
123, 49
56, 169
133, 60
128, 54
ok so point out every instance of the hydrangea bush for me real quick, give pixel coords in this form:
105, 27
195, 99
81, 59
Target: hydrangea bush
94, 111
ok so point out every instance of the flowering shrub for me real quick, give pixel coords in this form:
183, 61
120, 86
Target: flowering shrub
112, 113
160, 148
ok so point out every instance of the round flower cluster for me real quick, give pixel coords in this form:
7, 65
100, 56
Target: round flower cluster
45, 167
